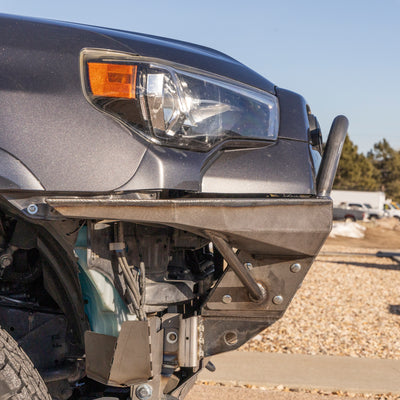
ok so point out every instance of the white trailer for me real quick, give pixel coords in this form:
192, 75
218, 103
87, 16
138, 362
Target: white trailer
375, 199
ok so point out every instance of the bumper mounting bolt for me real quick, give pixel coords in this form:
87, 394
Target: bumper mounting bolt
226, 299
295, 268
32, 209
144, 391
277, 299
249, 266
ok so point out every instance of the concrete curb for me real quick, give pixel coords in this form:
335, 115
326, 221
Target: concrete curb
328, 373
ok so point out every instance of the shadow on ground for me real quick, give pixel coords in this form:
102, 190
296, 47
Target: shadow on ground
369, 265
394, 309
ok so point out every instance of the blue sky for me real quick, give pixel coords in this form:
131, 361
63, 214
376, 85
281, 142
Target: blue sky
342, 56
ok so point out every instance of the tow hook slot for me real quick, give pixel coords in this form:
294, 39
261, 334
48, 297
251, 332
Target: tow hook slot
257, 292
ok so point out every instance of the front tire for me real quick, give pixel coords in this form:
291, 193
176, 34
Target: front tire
19, 380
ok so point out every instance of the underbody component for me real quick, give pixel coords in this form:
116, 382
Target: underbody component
256, 291
132, 358
42, 335
284, 232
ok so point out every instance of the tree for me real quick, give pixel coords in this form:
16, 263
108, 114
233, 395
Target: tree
355, 171
387, 161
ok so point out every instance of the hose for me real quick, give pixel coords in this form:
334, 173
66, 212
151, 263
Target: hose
135, 287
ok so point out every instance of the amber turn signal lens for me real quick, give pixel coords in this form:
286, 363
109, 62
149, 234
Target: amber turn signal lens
112, 80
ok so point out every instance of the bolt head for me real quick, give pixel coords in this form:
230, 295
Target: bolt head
144, 391
277, 299
226, 299
295, 267
230, 338
32, 209
248, 265
172, 337
5, 261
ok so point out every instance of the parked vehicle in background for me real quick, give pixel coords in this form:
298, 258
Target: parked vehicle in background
375, 199
395, 205
392, 210
371, 213
344, 212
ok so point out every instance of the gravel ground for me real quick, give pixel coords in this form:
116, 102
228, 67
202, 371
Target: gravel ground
347, 305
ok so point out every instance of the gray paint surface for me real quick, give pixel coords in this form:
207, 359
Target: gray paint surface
18, 176
47, 124
282, 168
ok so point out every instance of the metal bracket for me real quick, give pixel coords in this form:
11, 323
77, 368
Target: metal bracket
256, 291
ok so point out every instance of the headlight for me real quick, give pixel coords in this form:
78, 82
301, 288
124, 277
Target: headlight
175, 106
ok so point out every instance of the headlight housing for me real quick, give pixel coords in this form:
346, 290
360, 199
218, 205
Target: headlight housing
176, 106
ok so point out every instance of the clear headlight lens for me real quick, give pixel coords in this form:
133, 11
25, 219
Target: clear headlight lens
177, 107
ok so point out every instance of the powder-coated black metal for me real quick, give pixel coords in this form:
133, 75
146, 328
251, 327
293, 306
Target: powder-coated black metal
333, 150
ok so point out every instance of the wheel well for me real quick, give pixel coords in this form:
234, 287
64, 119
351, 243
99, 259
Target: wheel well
41, 303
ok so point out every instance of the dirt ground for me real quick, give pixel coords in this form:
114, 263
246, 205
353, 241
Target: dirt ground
382, 234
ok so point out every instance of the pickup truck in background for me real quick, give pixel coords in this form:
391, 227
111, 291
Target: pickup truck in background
374, 204
372, 213
344, 212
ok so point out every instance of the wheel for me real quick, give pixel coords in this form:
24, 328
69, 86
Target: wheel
19, 380
349, 218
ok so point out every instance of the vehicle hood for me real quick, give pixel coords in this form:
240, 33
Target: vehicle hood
152, 46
